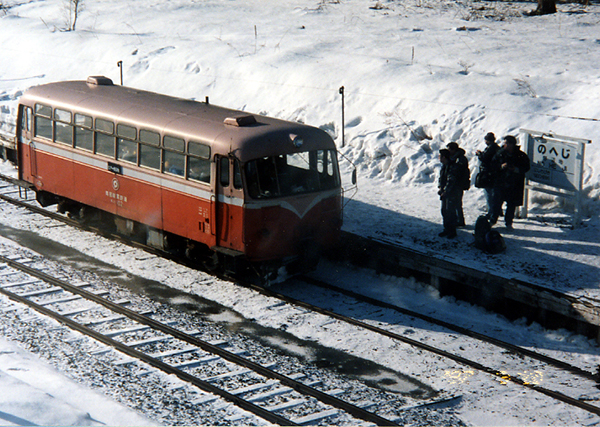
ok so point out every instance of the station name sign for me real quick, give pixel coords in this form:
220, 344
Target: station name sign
556, 161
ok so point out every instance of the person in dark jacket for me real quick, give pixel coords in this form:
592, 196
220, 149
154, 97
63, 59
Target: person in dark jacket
485, 176
450, 193
510, 165
457, 156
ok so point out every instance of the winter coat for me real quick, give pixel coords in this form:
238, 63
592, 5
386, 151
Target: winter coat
486, 156
510, 181
462, 169
449, 180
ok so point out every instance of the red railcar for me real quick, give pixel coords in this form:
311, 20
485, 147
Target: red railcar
186, 175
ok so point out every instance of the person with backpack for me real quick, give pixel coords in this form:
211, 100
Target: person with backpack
457, 156
485, 177
450, 193
509, 165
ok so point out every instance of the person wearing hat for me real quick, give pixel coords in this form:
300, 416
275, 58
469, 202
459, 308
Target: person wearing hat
485, 177
457, 156
449, 192
510, 165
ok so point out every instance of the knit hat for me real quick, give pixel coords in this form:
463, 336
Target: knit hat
452, 146
490, 137
509, 139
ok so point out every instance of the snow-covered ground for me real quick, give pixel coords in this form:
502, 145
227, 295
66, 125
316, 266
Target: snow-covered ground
417, 74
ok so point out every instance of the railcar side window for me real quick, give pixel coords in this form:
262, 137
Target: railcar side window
63, 131
83, 121
237, 175
43, 122
125, 131
43, 110
173, 143
224, 171
200, 150
127, 150
105, 144
174, 163
43, 127
149, 156
149, 137
199, 169
199, 162
105, 126
84, 136
149, 151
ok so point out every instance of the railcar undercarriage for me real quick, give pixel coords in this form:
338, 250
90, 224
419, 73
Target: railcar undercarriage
215, 259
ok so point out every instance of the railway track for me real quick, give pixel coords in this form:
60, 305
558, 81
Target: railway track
519, 360
277, 398
584, 382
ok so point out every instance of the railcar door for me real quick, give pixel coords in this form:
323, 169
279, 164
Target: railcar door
222, 199
229, 204
25, 146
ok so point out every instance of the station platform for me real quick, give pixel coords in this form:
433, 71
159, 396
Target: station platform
549, 273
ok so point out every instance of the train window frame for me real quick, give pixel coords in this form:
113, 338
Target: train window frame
46, 131
105, 126
98, 145
167, 157
83, 132
126, 131
198, 149
291, 174
199, 169
224, 179
43, 115
127, 150
149, 137
25, 118
142, 157
63, 116
85, 135
43, 110
63, 129
174, 143
83, 121
238, 182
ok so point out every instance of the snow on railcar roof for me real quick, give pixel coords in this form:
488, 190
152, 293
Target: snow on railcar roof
226, 130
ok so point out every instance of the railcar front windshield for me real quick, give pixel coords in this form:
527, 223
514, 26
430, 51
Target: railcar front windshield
291, 174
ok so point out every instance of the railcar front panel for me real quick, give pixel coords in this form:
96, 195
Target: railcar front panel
288, 228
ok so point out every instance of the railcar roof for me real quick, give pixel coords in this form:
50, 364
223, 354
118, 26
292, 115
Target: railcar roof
190, 119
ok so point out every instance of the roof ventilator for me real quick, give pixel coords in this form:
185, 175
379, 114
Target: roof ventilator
240, 121
99, 81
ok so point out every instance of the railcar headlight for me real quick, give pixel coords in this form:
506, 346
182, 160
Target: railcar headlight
297, 141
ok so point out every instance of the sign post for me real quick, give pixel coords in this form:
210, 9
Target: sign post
556, 167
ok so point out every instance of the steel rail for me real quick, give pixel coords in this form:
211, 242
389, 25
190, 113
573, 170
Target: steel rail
473, 334
459, 359
296, 385
244, 404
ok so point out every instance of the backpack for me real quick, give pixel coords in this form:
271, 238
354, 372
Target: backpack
486, 239
494, 242
466, 179
464, 176
482, 227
